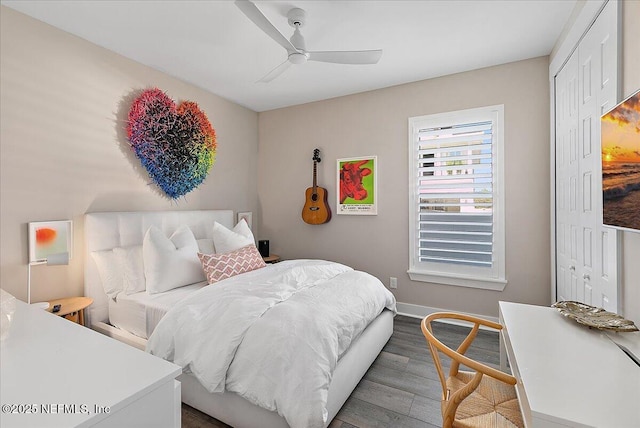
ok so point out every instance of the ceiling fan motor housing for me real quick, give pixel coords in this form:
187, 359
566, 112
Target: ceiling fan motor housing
298, 57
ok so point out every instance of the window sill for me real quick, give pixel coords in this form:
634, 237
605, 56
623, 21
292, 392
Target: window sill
460, 281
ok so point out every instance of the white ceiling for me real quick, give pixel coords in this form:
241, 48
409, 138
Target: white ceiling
214, 46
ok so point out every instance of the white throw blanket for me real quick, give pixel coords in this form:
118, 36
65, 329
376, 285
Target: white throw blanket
273, 335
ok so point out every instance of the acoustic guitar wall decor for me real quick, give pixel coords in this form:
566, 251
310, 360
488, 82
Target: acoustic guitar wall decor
316, 209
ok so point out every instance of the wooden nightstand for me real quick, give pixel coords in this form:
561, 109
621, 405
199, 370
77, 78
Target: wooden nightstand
71, 308
271, 258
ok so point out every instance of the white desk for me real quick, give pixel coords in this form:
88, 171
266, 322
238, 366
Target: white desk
55, 373
568, 374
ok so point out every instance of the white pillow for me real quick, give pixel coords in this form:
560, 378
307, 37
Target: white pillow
226, 240
170, 262
110, 271
205, 246
132, 268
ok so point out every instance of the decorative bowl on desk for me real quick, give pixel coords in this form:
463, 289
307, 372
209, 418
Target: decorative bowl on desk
594, 317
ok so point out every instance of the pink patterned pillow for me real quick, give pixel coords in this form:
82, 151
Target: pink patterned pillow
222, 266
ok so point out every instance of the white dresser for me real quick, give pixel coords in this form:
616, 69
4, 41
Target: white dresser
55, 373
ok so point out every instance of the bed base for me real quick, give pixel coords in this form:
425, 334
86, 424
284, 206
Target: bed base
120, 335
234, 410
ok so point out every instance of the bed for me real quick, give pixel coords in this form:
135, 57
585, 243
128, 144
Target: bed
135, 318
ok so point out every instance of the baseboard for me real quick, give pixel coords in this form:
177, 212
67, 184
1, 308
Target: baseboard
418, 311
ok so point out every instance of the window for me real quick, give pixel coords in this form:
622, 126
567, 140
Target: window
456, 198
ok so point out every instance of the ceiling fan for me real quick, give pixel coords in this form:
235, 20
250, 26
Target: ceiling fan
296, 49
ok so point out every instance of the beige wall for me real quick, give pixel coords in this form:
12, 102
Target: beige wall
63, 153
375, 123
631, 83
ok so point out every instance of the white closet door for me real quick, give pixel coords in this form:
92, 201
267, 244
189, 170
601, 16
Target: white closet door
567, 173
586, 87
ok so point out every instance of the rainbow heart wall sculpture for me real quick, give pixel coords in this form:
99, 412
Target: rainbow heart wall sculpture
176, 144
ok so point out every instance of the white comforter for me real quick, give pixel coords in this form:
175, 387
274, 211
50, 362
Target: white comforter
273, 335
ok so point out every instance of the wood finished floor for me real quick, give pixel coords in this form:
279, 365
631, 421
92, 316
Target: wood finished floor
401, 388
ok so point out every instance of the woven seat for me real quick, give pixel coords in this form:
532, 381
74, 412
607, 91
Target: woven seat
485, 397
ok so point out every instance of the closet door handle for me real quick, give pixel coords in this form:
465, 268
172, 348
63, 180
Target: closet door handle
586, 276
572, 267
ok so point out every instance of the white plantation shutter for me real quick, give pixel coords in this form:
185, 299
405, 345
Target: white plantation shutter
456, 235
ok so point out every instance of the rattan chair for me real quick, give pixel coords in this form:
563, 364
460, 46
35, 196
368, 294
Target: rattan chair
469, 398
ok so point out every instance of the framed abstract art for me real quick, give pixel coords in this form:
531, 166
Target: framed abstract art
49, 237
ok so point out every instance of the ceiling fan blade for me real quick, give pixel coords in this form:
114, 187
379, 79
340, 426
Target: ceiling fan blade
347, 57
275, 72
254, 14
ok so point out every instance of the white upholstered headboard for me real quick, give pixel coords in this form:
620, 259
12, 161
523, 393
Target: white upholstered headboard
107, 230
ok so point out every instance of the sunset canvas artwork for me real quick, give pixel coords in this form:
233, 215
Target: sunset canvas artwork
621, 164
